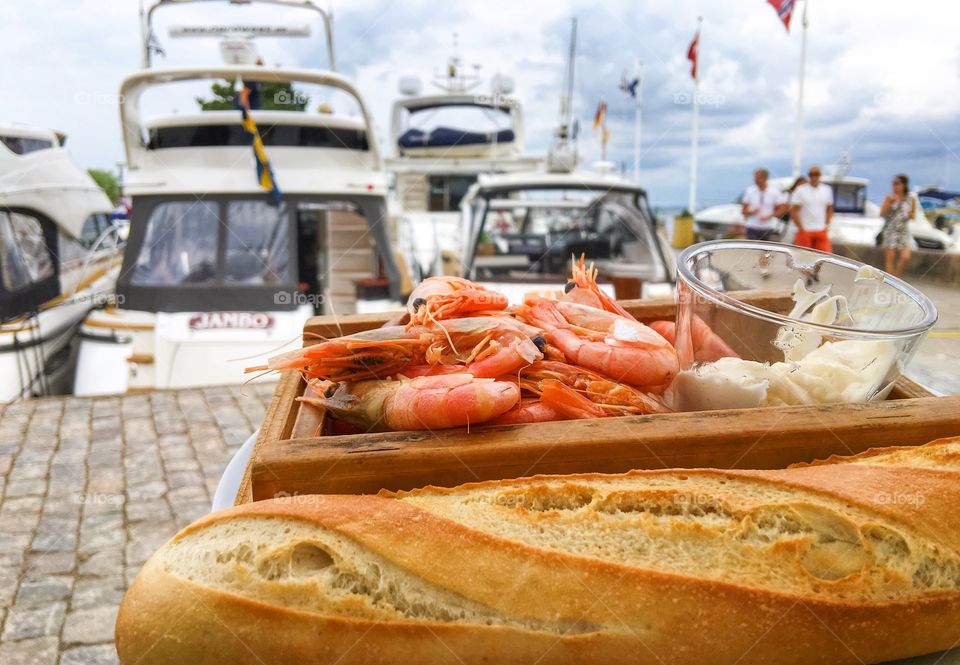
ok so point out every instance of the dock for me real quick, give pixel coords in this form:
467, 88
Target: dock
89, 489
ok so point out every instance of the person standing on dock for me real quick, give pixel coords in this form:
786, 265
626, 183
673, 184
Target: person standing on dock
897, 210
762, 207
811, 209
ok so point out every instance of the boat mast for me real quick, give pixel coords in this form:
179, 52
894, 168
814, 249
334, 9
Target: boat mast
563, 155
638, 109
798, 131
692, 199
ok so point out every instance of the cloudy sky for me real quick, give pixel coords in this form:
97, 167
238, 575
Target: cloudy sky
883, 78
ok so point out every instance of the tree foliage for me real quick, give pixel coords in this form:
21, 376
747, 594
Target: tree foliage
274, 96
107, 181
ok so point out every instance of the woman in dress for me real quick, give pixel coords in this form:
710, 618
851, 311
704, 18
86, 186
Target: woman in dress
897, 210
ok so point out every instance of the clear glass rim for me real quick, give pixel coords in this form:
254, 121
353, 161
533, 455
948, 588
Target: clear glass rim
727, 301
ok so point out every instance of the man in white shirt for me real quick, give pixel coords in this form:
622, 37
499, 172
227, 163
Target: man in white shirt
811, 209
762, 207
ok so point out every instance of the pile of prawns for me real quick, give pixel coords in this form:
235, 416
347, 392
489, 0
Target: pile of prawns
467, 357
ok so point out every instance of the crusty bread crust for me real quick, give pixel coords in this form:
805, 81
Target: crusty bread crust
588, 610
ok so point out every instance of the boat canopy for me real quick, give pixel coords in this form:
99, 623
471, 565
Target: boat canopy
939, 194
441, 137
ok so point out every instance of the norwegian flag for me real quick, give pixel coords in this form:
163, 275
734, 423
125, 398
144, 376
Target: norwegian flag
784, 11
692, 54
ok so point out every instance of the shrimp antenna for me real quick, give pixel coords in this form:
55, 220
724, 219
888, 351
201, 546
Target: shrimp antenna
267, 352
336, 319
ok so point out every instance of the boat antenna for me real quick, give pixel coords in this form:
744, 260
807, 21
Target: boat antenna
563, 155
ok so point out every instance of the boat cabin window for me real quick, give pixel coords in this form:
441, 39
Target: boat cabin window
180, 245
21, 145
446, 191
201, 136
94, 227
257, 249
849, 198
25, 258
195, 242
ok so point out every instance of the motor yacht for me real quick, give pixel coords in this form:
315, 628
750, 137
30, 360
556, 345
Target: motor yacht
59, 258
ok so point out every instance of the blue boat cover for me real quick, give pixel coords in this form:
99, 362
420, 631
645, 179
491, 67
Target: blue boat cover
938, 194
442, 137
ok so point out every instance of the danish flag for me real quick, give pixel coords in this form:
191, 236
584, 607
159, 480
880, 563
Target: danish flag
692, 54
784, 10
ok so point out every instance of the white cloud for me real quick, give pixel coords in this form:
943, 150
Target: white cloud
882, 78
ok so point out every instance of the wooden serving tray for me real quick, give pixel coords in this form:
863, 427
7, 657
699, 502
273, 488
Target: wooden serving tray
290, 459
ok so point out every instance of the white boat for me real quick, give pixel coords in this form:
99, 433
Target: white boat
59, 256
856, 221
522, 229
442, 143
218, 274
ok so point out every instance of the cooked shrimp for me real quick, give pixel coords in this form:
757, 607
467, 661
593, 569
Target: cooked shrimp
707, 345
606, 397
615, 346
376, 353
529, 410
447, 297
488, 346
426, 402
584, 290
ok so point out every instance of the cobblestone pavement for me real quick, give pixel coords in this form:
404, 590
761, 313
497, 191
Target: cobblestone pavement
89, 488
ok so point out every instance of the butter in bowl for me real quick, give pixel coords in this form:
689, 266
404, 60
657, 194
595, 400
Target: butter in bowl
824, 329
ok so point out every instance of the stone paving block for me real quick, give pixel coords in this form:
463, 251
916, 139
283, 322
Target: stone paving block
149, 491
26, 622
98, 591
36, 591
100, 564
91, 625
102, 654
50, 563
38, 651
9, 576
145, 511
30, 487
6, 461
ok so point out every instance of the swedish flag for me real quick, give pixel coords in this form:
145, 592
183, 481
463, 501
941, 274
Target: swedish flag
264, 172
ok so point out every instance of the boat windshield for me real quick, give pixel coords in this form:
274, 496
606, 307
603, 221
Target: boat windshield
518, 237
849, 198
184, 239
25, 258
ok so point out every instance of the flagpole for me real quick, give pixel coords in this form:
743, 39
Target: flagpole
798, 130
636, 122
692, 202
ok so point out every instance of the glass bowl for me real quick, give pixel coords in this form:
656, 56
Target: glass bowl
765, 324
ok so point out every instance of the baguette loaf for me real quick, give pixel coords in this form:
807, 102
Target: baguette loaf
855, 560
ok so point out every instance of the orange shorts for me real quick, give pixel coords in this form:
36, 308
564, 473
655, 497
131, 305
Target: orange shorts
814, 240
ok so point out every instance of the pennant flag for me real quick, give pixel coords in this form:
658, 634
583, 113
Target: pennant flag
784, 11
600, 116
630, 87
264, 172
692, 55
